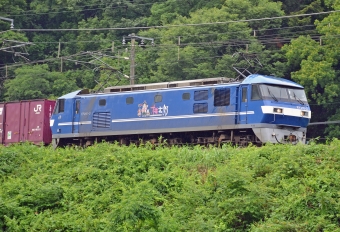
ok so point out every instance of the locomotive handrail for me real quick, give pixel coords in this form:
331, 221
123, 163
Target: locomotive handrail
321, 123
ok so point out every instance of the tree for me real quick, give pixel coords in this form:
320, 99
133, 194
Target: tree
198, 51
34, 82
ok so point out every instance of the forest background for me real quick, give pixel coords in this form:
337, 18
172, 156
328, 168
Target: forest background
59, 46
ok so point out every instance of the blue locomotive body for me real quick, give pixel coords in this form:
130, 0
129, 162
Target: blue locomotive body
260, 109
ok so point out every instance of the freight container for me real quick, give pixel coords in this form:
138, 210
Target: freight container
26, 121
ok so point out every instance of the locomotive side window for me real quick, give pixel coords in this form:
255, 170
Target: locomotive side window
186, 96
201, 95
244, 94
222, 97
255, 93
102, 102
158, 98
200, 108
129, 100
60, 106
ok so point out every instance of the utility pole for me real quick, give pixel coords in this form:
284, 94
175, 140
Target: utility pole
133, 38
132, 60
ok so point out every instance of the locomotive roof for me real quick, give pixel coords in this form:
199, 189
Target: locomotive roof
263, 79
166, 85
251, 79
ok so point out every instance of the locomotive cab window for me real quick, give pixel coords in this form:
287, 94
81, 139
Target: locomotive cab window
102, 102
255, 92
222, 97
283, 94
60, 106
274, 93
297, 95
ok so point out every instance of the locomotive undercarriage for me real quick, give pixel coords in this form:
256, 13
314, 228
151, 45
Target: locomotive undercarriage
216, 138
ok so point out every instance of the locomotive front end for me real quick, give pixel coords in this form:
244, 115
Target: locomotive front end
284, 112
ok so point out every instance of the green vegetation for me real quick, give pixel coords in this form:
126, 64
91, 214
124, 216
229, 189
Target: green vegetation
107, 187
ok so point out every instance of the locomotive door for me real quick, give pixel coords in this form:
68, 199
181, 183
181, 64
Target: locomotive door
243, 117
76, 117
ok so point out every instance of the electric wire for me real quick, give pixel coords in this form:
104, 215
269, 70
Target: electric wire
178, 25
195, 35
82, 8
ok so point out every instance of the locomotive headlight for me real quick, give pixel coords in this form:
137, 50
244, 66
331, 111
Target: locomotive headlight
304, 113
278, 110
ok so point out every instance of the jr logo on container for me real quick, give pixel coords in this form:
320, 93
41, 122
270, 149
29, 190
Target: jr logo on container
37, 109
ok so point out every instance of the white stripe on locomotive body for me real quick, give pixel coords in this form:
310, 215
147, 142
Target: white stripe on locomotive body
162, 118
183, 116
74, 123
286, 111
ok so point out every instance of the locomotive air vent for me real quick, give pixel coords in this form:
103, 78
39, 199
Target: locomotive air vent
101, 120
195, 83
209, 82
114, 90
138, 88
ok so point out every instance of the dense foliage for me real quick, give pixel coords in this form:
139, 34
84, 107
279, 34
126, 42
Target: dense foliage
58, 46
108, 187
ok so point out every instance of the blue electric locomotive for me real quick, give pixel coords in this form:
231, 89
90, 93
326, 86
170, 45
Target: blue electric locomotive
259, 109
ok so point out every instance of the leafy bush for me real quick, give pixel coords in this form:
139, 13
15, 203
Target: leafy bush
108, 187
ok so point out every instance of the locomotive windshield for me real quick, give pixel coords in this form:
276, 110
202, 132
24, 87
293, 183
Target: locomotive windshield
278, 93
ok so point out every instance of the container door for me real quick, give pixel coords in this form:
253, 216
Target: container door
34, 116
24, 121
76, 117
12, 123
243, 105
2, 121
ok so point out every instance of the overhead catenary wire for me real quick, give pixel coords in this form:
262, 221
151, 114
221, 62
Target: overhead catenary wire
82, 8
264, 39
195, 35
177, 25
230, 43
